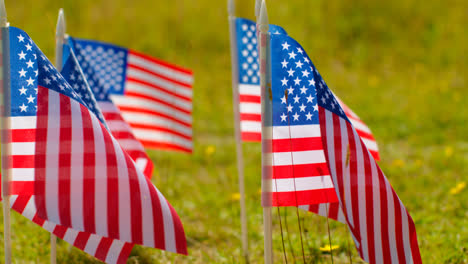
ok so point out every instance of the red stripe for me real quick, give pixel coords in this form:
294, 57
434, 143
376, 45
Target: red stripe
414, 241
60, 231
300, 170
127, 109
103, 248
333, 210
135, 202
23, 135
157, 75
22, 161
89, 163
170, 104
165, 146
181, 243
64, 169
21, 202
159, 241
81, 240
384, 218
22, 188
124, 253
249, 99
160, 62
296, 198
41, 145
112, 186
112, 116
398, 228
154, 86
297, 144
250, 117
375, 154
251, 136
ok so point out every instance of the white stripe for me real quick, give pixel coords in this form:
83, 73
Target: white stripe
70, 236
302, 131
370, 144
362, 192
22, 122
346, 170
100, 184
250, 108
49, 226
249, 89
30, 209
391, 223
301, 184
114, 251
147, 221
155, 136
108, 107
359, 125
124, 206
76, 174
141, 163
406, 235
298, 157
159, 94
152, 120
144, 104
130, 145
377, 213
251, 126
22, 174
169, 232
52, 157
341, 217
149, 78
323, 210
22, 148
161, 69
92, 244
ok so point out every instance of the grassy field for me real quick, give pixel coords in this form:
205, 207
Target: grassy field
401, 65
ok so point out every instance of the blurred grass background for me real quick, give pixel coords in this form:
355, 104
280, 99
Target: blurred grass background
401, 65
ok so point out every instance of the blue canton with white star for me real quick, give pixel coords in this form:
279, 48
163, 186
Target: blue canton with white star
297, 87
28, 69
109, 63
72, 72
247, 52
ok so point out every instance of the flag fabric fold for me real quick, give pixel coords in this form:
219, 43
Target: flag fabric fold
75, 172
85, 83
154, 97
382, 229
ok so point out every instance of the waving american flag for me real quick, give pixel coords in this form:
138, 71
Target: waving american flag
317, 148
69, 174
153, 96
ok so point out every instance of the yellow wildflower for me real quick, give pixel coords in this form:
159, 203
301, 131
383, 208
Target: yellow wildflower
398, 163
448, 151
235, 197
327, 248
458, 188
210, 150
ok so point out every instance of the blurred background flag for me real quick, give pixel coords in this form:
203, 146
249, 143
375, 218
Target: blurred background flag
382, 229
154, 97
76, 171
85, 83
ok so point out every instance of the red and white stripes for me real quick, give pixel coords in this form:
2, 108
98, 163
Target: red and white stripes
250, 112
84, 180
382, 229
157, 103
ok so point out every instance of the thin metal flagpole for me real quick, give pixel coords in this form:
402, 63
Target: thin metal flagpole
258, 4
265, 87
59, 41
237, 131
6, 136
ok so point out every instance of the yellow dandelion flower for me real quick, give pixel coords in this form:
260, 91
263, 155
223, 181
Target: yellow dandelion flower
458, 188
210, 150
327, 248
235, 197
448, 151
373, 81
398, 163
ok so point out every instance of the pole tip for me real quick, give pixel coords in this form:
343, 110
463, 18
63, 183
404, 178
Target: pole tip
60, 31
263, 19
231, 8
3, 14
258, 5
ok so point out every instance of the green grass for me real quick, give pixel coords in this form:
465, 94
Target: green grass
401, 65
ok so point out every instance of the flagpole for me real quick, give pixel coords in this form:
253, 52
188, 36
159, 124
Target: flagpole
59, 40
6, 136
265, 87
258, 4
237, 131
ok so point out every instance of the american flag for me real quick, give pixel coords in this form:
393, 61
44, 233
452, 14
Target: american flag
249, 78
300, 173
154, 97
249, 87
382, 229
85, 83
74, 172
